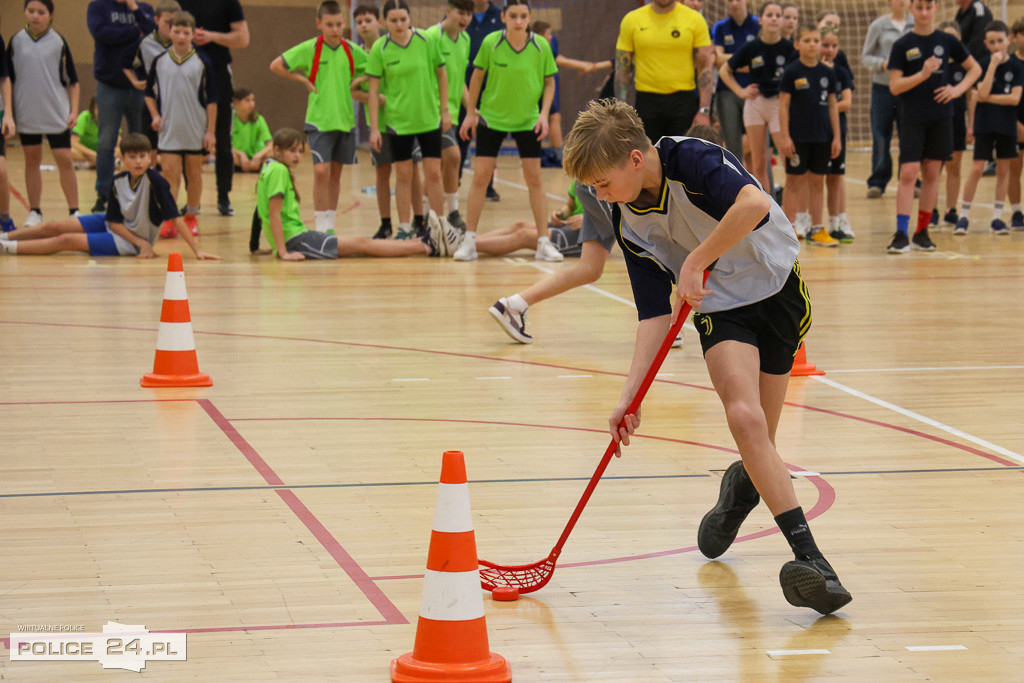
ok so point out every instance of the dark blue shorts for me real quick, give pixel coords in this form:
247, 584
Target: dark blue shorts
102, 242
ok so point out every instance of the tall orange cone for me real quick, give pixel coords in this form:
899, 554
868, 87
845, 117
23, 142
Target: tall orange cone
451, 636
801, 368
175, 364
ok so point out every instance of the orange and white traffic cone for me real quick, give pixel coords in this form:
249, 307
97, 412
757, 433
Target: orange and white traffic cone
801, 368
175, 364
451, 636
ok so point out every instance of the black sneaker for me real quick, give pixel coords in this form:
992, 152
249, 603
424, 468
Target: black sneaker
736, 498
433, 243
492, 194
922, 242
419, 226
999, 227
455, 218
935, 217
951, 218
900, 244
225, 209
383, 232
1017, 220
100, 206
811, 582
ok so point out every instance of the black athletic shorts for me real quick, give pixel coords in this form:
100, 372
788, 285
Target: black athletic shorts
667, 114
488, 142
811, 157
959, 130
837, 166
776, 325
56, 140
921, 140
402, 145
1005, 146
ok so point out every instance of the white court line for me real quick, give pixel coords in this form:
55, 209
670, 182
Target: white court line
934, 648
573, 376
932, 369
921, 418
504, 377
411, 379
784, 653
806, 473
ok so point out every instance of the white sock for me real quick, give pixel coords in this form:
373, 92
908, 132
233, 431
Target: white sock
451, 202
470, 237
517, 303
803, 216
8, 246
426, 205
332, 216
405, 227
833, 223
997, 211
843, 218
320, 221
1014, 208
965, 209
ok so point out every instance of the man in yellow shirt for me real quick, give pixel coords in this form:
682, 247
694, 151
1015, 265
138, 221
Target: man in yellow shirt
666, 47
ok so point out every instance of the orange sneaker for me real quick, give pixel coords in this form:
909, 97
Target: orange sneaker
167, 230
192, 223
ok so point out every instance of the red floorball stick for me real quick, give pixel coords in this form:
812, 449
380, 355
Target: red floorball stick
528, 578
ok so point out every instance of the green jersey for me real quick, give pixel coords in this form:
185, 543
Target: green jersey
576, 200
408, 80
456, 59
515, 81
250, 137
275, 180
87, 130
330, 108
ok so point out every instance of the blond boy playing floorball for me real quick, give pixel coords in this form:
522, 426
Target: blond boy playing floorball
752, 315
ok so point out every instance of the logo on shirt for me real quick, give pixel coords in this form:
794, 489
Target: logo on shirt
757, 62
958, 76
1007, 76
913, 53
938, 51
780, 60
729, 40
801, 84
824, 96
750, 38
823, 82
675, 33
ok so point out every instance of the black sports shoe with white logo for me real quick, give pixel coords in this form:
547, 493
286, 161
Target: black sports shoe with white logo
736, 498
811, 582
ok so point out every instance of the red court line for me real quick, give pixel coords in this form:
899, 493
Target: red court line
371, 590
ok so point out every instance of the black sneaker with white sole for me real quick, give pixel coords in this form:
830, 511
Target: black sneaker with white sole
900, 243
736, 498
811, 582
921, 241
513, 322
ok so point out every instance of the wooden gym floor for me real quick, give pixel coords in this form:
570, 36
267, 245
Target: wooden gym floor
281, 518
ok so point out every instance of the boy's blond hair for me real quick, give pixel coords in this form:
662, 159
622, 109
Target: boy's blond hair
166, 6
602, 138
184, 19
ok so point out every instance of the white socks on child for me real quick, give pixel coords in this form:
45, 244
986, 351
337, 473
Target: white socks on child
517, 303
997, 211
8, 247
324, 220
451, 202
965, 209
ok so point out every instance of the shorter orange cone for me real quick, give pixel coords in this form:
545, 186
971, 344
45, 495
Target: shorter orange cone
801, 368
451, 636
175, 364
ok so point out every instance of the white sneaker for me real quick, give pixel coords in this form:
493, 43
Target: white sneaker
34, 218
678, 342
466, 250
452, 236
546, 251
513, 322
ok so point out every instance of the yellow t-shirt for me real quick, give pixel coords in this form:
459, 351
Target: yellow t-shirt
662, 47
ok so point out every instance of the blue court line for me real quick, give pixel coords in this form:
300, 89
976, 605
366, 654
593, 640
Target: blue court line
381, 484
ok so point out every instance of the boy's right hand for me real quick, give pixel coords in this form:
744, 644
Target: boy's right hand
786, 147
750, 92
290, 256
997, 58
309, 86
621, 426
931, 65
146, 251
468, 129
376, 140
157, 122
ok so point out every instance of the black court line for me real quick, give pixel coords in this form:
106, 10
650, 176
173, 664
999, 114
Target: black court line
382, 484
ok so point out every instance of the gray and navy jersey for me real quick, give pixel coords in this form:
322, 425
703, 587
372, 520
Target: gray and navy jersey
149, 49
141, 206
700, 182
41, 69
182, 89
